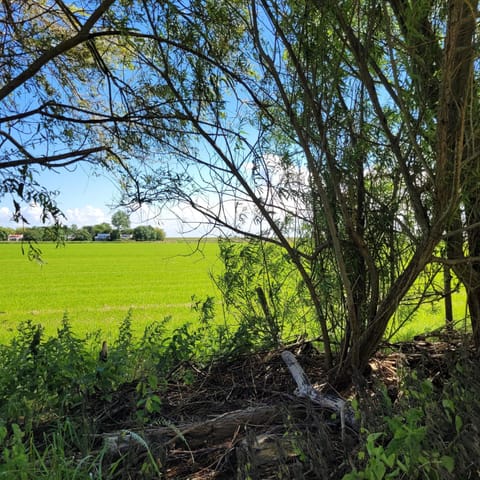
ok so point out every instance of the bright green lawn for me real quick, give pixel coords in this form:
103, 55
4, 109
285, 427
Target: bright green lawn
96, 284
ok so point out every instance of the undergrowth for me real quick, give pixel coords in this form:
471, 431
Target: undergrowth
47, 431
430, 431
47, 383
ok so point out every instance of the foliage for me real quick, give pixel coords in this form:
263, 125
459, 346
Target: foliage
41, 376
49, 382
426, 433
81, 235
325, 128
160, 234
28, 54
147, 233
5, 232
121, 220
262, 291
316, 149
115, 235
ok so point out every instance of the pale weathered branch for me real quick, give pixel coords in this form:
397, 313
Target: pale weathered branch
325, 400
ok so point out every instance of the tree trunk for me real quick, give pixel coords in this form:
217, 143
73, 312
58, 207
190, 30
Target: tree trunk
447, 291
458, 138
473, 301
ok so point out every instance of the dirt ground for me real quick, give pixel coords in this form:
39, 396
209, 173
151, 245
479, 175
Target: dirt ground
241, 419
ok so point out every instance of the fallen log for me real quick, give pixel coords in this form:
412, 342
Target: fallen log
220, 429
266, 448
227, 429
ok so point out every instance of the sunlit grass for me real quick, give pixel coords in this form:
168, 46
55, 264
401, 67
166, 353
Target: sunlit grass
431, 316
96, 284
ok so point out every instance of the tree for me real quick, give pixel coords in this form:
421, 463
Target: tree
343, 133
54, 71
33, 234
336, 131
460, 160
115, 235
160, 234
82, 235
5, 232
121, 220
144, 233
101, 228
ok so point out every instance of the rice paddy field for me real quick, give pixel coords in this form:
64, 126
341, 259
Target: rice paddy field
97, 284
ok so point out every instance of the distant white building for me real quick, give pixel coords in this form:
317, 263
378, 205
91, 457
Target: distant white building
15, 237
102, 237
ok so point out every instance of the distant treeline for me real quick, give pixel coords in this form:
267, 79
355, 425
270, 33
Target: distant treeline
99, 232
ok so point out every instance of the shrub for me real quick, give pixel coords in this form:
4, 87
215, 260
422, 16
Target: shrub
160, 233
5, 232
82, 235
260, 287
429, 433
48, 381
144, 233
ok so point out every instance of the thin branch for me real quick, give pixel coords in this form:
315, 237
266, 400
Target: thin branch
60, 160
83, 36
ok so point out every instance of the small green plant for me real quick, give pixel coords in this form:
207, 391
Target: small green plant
15, 461
403, 449
149, 401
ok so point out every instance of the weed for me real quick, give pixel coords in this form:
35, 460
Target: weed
429, 433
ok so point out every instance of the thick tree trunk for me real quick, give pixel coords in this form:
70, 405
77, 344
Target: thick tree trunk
459, 140
471, 278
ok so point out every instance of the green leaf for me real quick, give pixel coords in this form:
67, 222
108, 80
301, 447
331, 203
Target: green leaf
379, 470
389, 460
448, 463
448, 404
458, 423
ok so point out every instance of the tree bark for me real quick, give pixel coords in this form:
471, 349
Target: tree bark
457, 157
447, 291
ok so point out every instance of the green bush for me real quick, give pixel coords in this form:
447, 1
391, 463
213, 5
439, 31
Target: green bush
263, 291
5, 232
46, 383
144, 233
429, 433
82, 235
33, 234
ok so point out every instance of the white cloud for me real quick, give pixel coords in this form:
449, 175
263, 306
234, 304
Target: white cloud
5, 215
32, 213
86, 215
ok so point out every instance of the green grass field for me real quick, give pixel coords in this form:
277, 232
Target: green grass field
96, 284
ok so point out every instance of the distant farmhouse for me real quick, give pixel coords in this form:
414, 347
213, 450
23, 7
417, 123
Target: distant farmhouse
102, 237
15, 237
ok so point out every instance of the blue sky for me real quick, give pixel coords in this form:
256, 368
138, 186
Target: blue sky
88, 198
